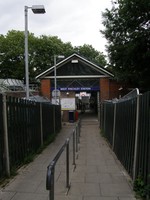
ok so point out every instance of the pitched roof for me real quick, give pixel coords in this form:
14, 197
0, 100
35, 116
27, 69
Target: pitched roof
80, 67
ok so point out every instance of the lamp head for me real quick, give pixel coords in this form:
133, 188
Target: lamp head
61, 56
38, 9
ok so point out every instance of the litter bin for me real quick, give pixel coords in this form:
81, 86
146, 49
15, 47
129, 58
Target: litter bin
71, 116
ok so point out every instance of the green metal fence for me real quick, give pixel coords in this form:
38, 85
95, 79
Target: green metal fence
126, 125
23, 120
2, 171
143, 139
24, 127
125, 133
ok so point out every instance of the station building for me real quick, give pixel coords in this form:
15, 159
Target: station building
81, 84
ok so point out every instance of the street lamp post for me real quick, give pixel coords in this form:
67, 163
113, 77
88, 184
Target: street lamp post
55, 75
37, 9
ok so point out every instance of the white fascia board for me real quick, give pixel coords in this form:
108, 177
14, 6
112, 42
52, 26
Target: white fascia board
78, 77
82, 59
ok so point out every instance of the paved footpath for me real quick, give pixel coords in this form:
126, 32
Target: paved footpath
98, 174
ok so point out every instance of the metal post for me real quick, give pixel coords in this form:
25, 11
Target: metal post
55, 81
54, 119
26, 52
67, 164
114, 127
98, 104
51, 192
104, 116
55, 76
6, 146
41, 122
37, 10
76, 139
79, 124
136, 137
74, 148
78, 133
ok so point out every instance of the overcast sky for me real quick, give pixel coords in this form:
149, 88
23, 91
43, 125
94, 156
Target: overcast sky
75, 21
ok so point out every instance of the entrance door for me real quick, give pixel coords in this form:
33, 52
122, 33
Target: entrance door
87, 101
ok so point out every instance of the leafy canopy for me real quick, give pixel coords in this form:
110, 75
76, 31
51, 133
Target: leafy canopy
127, 29
41, 54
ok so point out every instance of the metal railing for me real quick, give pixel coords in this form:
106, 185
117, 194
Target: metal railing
50, 178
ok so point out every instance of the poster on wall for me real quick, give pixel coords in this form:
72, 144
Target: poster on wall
57, 102
68, 104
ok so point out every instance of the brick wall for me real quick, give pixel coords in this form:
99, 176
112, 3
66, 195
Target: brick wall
104, 89
109, 89
114, 89
45, 88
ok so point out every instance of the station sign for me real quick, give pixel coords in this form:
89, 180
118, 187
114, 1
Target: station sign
96, 88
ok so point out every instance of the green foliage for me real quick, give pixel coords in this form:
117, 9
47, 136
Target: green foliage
142, 190
127, 29
12, 55
91, 54
41, 54
102, 133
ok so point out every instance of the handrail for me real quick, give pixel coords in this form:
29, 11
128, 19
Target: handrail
51, 167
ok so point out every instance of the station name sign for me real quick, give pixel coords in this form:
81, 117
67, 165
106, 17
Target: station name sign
79, 88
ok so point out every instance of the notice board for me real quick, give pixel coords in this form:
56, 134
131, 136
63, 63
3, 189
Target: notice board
68, 104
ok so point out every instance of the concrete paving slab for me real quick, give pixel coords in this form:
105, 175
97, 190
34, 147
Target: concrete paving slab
26, 196
86, 169
116, 189
100, 198
67, 197
6, 195
127, 198
20, 185
98, 178
86, 189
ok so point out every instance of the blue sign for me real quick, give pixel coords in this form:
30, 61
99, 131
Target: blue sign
78, 89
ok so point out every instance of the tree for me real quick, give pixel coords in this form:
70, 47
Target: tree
12, 55
127, 29
41, 54
43, 50
91, 54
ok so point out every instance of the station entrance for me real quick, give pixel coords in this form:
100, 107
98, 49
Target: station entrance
78, 82
84, 91
86, 101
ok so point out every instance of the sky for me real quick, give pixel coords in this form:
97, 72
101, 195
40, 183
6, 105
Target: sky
75, 21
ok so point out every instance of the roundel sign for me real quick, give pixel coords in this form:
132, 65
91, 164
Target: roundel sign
56, 93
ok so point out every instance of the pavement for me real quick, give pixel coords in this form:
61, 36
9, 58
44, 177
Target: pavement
98, 174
